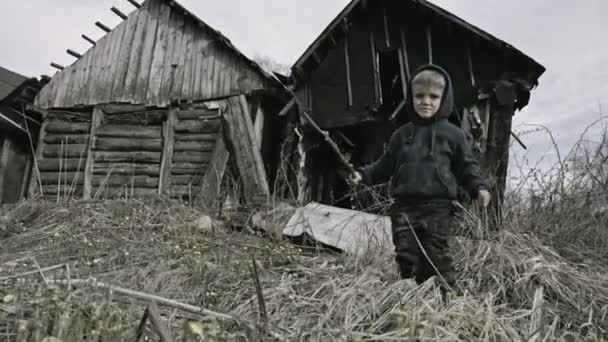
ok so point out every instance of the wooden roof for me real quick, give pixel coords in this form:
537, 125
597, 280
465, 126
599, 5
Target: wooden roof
161, 53
9, 82
536, 68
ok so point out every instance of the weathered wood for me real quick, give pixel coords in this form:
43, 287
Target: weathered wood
158, 57
147, 52
349, 84
122, 61
129, 131
126, 169
96, 120
195, 180
198, 114
191, 157
376, 69
192, 126
289, 106
114, 39
402, 72
116, 108
195, 137
258, 126
132, 72
119, 13
137, 181
243, 146
127, 157
65, 178
27, 173
188, 168
194, 146
134, 3
125, 144
64, 127
57, 66
168, 148
4, 164
211, 182
34, 184
67, 139
102, 26
73, 53
88, 39
65, 151
61, 164
470, 64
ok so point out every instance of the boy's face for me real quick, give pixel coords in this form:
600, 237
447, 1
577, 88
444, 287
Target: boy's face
427, 92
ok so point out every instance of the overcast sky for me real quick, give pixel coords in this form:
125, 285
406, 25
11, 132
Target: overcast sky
567, 37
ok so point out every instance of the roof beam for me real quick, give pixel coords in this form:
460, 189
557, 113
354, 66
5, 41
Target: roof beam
118, 13
57, 66
134, 3
73, 53
88, 39
103, 27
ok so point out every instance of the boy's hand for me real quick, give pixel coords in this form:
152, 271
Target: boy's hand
484, 198
355, 178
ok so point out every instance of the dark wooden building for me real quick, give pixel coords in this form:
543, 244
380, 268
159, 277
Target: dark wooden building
157, 106
18, 133
352, 82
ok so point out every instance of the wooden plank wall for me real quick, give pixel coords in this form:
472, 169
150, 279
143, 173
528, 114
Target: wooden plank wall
159, 54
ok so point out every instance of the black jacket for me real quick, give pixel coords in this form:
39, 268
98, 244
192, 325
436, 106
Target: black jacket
427, 158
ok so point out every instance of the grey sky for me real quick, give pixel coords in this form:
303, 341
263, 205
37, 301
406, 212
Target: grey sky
567, 37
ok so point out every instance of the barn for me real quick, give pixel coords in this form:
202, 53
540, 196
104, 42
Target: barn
351, 81
18, 132
162, 104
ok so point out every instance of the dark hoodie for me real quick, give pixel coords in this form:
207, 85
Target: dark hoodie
427, 159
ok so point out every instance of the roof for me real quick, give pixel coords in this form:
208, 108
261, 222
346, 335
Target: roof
9, 81
159, 54
334, 24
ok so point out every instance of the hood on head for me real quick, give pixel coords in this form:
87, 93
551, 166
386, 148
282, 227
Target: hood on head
447, 102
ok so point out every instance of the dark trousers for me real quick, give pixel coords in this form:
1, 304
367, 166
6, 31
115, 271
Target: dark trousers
426, 225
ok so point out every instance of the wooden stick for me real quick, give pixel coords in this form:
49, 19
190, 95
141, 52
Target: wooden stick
385, 21
349, 85
57, 66
96, 119
470, 64
521, 143
430, 43
157, 321
119, 13
37, 271
88, 39
134, 3
142, 325
73, 53
288, 107
102, 26
258, 290
331, 143
397, 110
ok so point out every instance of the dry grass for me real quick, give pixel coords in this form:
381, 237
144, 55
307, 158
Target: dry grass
514, 287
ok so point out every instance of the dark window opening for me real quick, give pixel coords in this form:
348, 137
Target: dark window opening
391, 89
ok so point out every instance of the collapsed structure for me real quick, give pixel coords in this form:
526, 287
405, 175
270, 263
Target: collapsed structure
164, 104
352, 82
145, 111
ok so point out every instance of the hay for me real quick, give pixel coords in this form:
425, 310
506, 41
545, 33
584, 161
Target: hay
513, 287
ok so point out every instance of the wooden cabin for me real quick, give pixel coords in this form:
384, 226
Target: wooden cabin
18, 133
352, 82
157, 106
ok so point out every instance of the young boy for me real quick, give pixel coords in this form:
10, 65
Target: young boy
426, 159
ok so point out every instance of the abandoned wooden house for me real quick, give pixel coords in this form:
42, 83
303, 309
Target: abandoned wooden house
352, 82
157, 106
18, 133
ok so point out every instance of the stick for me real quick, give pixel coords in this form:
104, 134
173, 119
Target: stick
158, 323
37, 271
258, 290
331, 143
142, 325
519, 141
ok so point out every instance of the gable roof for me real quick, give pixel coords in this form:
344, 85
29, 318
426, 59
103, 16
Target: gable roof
9, 81
159, 54
436, 10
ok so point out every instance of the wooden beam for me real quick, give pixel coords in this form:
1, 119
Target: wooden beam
349, 84
134, 3
73, 53
402, 72
429, 40
57, 66
377, 91
470, 64
164, 181
288, 107
4, 163
387, 36
103, 27
212, 180
258, 126
398, 109
88, 39
406, 61
96, 119
118, 13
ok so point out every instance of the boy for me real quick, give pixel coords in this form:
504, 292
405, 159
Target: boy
426, 159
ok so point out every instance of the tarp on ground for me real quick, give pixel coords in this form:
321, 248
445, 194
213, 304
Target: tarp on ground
351, 231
